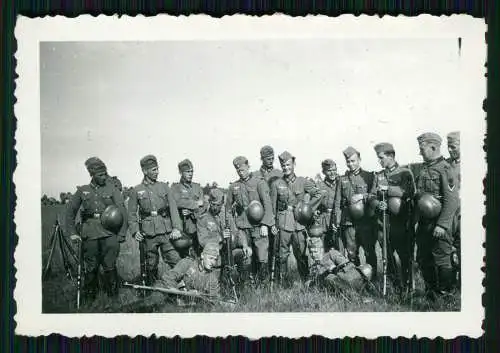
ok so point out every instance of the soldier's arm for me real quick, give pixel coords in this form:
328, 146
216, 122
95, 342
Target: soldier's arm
229, 203
338, 200
174, 212
71, 211
120, 203
133, 217
274, 197
263, 190
315, 193
202, 231
449, 188
172, 277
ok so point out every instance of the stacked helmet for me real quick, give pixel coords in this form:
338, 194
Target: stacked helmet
304, 213
429, 206
112, 219
394, 205
366, 270
372, 207
316, 231
255, 212
357, 207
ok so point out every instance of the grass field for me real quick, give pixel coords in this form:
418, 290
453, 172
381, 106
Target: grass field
59, 292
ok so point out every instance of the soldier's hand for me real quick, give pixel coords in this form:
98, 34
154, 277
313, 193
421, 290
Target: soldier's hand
439, 232
138, 236
382, 205
274, 230
263, 231
247, 251
176, 234
75, 237
185, 212
199, 203
226, 233
333, 227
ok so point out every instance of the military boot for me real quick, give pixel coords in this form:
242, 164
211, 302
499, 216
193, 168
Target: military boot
111, 283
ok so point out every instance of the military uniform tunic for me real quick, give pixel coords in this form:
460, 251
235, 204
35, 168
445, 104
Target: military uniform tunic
187, 196
269, 175
327, 211
438, 179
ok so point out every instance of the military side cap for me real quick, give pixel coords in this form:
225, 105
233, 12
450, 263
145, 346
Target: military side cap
266, 151
211, 249
384, 147
453, 137
349, 151
149, 161
240, 160
185, 165
429, 137
216, 196
286, 156
328, 163
95, 165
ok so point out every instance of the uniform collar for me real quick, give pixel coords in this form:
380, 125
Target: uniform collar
291, 178
263, 169
95, 186
456, 161
247, 179
147, 182
185, 183
357, 172
328, 183
434, 161
393, 168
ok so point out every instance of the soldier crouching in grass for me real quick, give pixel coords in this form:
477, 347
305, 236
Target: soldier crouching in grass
336, 273
100, 246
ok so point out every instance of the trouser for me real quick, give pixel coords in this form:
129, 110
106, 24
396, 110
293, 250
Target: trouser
243, 265
100, 252
457, 257
298, 240
434, 258
398, 248
260, 252
153, 244
361, 234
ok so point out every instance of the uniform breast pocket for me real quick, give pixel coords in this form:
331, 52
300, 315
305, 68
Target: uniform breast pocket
144, 202
107, 199
432, 183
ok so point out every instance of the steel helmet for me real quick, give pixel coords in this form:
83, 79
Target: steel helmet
255, 212
366, 270
183, 242
112, 219
394, 205
372, 207
429, 206
357, 207
304, 213
316, 231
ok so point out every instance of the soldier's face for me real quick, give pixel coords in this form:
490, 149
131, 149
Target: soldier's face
268, 161
100, 178
384, 160
330, 173
208, 261
353, 162
187, 175
426, 151
215, 208
288, 167
151, 173
454, 150
243, 171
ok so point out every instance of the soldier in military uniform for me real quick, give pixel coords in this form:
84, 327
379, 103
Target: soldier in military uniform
267, 170
153, 218
436, 182
189, 198
350, 201
326, 217
287, 193
241, 193
398, 188
454, 161
100, 246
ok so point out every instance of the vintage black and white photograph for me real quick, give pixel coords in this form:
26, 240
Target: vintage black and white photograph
274, 174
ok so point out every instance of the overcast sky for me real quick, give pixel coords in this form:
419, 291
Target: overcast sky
213, 100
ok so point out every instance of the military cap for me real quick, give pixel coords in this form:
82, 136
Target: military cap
185, 165
211, 249
266, 151
240, 160
149, 161
327, 164
285, 156
453, 137
349, 151
94, 165
429, 137
383, 147
216, 196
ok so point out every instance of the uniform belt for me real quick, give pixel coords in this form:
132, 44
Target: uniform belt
96, 215
162, 213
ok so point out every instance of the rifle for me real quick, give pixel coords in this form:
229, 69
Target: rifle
173, 291
79, 275
383, 189
142, 259
411, 259
228, 261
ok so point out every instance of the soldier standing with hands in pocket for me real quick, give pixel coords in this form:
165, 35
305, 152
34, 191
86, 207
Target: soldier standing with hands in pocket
153, 218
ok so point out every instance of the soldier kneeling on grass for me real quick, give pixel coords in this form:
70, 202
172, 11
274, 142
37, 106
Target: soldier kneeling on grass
335, 272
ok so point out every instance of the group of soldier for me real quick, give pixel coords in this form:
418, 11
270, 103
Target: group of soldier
267, 211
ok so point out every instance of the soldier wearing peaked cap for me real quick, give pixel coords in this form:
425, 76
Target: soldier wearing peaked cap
100, 246
350, 210
398, 185
326, 209
153, 218
241, 194
437, 181
189, 198
287, 195
453, 139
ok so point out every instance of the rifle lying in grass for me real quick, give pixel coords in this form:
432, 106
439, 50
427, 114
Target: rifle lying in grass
173, 291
